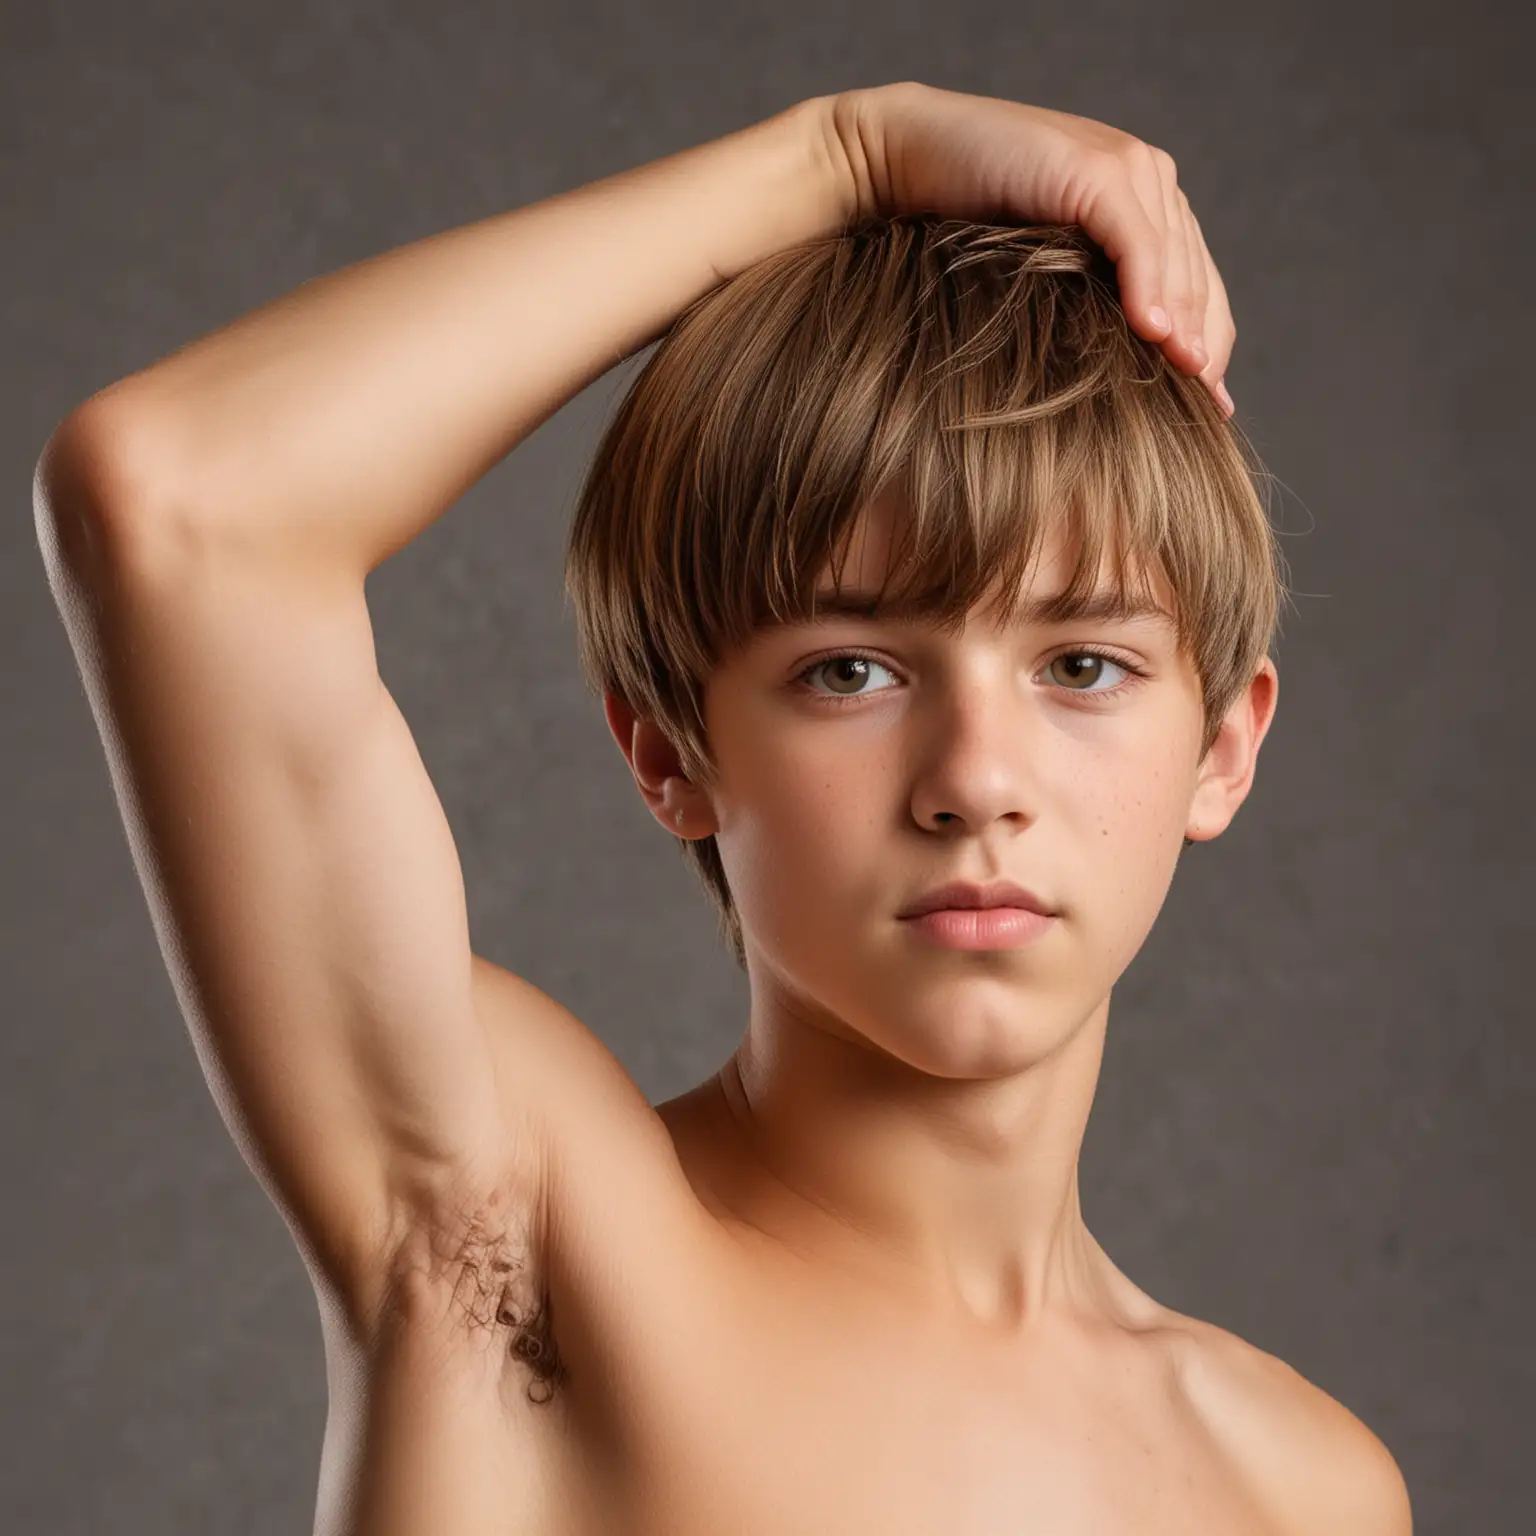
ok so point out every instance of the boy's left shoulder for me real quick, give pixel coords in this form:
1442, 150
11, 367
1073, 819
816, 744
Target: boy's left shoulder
1316, 1466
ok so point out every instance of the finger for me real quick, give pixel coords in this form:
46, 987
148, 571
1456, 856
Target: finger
1123, 215
1199, 282
1220, 331
1185, 347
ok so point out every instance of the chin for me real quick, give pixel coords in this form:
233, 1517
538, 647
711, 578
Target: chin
973, 1039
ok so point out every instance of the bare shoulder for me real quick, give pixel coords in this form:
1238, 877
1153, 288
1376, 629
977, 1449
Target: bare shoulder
612, 1173
1315, 1465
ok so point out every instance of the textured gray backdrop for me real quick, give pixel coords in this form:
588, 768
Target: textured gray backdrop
1315, 1120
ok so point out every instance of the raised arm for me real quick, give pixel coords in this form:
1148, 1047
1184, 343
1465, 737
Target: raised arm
336, 423
207, 527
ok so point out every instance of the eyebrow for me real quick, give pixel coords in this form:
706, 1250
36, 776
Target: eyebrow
1104, 606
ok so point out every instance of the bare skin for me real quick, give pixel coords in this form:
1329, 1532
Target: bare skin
728, 1361
844, 1285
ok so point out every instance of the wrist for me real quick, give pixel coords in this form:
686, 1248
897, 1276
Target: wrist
796, 181
855, 148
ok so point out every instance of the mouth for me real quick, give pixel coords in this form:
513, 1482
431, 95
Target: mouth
978, 928
964, 895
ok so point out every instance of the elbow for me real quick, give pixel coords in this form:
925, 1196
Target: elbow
99, 489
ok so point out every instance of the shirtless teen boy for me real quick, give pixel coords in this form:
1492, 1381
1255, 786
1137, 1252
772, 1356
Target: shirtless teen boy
853, 656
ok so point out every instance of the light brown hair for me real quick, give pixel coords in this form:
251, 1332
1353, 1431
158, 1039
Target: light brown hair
989, 373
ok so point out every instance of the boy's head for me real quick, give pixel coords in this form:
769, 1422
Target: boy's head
959, 417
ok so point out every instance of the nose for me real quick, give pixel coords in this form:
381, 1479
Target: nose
976, 757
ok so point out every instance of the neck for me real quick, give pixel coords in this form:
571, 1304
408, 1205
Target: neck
960, 1194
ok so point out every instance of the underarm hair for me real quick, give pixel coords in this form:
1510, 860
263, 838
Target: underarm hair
479, 1261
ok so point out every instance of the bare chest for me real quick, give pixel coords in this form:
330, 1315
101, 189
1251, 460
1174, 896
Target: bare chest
825, 1434
740, 1407
704, 1383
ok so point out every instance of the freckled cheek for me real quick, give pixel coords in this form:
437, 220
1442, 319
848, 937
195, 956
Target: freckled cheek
1126, 828
1142, 807
1132, 804
1136, 782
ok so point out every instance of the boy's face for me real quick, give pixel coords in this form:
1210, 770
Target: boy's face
830, 816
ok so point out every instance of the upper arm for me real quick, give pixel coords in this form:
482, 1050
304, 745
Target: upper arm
300, 871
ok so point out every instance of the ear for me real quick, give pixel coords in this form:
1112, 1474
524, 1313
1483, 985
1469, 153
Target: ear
658, 771
1226, 774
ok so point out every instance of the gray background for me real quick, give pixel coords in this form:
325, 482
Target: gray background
1314, 1124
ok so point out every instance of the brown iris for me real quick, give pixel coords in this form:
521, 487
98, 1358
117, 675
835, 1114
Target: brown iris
842, 664
1081, 665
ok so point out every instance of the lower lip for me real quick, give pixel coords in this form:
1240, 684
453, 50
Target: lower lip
981, 928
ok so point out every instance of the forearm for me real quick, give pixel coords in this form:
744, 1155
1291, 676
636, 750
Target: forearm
341, 419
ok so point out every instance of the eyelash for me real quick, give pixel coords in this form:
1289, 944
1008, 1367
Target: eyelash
1137, 674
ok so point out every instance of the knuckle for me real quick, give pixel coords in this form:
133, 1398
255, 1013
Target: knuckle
1110, 162
1136, 155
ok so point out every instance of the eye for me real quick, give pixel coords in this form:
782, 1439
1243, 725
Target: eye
846, 672
1068, 667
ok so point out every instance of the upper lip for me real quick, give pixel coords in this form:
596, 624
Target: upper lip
963, 893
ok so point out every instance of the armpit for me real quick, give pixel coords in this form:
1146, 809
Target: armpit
471, 1275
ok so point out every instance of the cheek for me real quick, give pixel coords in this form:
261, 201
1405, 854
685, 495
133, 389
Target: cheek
811, 815
1139, 782
802, 836
1135, 835
1136, 806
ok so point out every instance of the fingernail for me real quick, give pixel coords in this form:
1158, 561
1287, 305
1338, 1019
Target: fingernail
1159, 317
1225, 398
